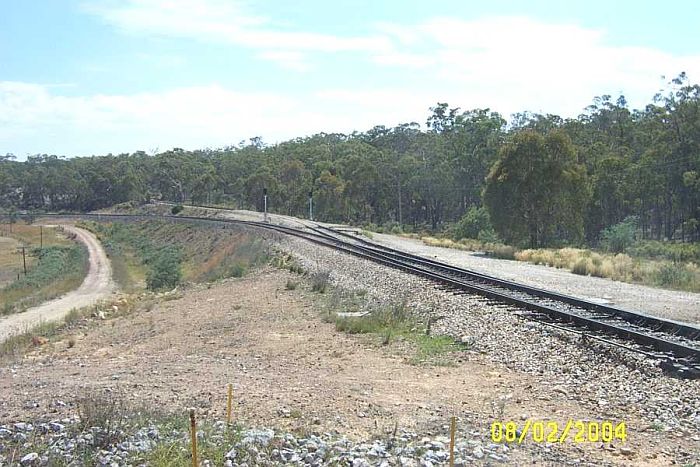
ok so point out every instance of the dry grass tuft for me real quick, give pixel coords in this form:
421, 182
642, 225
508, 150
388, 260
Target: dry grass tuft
497, 250
619, 267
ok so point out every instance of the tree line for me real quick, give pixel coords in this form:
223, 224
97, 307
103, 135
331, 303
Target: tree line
539, 180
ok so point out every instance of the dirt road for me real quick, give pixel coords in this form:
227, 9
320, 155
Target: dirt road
96, 286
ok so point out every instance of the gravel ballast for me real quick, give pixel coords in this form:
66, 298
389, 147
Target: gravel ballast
607, 383
671, 304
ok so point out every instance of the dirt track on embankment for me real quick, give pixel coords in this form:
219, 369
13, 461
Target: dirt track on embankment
97, 285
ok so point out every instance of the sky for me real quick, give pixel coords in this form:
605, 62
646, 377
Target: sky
91, 77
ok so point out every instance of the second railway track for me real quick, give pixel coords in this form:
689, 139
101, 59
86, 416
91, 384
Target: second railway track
676, 345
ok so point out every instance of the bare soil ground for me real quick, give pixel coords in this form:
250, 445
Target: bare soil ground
96, 285
292, 370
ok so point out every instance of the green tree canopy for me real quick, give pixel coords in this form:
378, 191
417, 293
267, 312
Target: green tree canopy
536, 191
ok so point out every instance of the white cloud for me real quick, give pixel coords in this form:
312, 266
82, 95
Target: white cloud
289, 59
202, 116
507, 64
33, 119
515, 63
227, 22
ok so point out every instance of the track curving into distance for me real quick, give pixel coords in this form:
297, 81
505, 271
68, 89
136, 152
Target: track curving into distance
676, 345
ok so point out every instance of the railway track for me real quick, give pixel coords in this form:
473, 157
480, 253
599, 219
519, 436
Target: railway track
676, 345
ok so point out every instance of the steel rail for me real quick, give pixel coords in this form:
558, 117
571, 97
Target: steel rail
634, 317
422, 267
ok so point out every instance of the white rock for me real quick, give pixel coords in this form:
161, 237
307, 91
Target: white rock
29, 458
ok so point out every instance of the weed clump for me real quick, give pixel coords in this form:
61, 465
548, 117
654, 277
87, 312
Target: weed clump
288, 262
395, 321
237, 270
581, 267
674, 275
105, 416
320, 281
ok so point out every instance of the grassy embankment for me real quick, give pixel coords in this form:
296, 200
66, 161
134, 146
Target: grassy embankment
672, 266
59, 267
150, 253
159, 255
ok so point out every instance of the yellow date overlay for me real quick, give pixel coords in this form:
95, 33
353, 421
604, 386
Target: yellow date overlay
541, 431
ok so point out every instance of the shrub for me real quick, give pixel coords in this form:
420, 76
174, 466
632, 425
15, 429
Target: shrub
488, 236
319, 281
177, 209
105, 416
674, 274
474, 221
237, 270
396, 229
291, 285
673, 251
164, 270
619, 237
501, 251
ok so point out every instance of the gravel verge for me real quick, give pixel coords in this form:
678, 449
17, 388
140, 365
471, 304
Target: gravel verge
61, 441
607, 384
682, 306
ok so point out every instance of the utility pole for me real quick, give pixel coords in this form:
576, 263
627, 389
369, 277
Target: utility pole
311, 205
265, 202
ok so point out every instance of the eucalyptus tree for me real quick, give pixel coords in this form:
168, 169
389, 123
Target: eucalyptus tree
536, 192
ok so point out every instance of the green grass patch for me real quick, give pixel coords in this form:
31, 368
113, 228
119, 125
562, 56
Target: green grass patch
57, 270
394, 322
161, 262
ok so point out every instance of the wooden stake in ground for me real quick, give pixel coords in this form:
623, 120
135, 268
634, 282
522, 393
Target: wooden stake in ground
24, 261
228, 403
193, 429
453, 426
